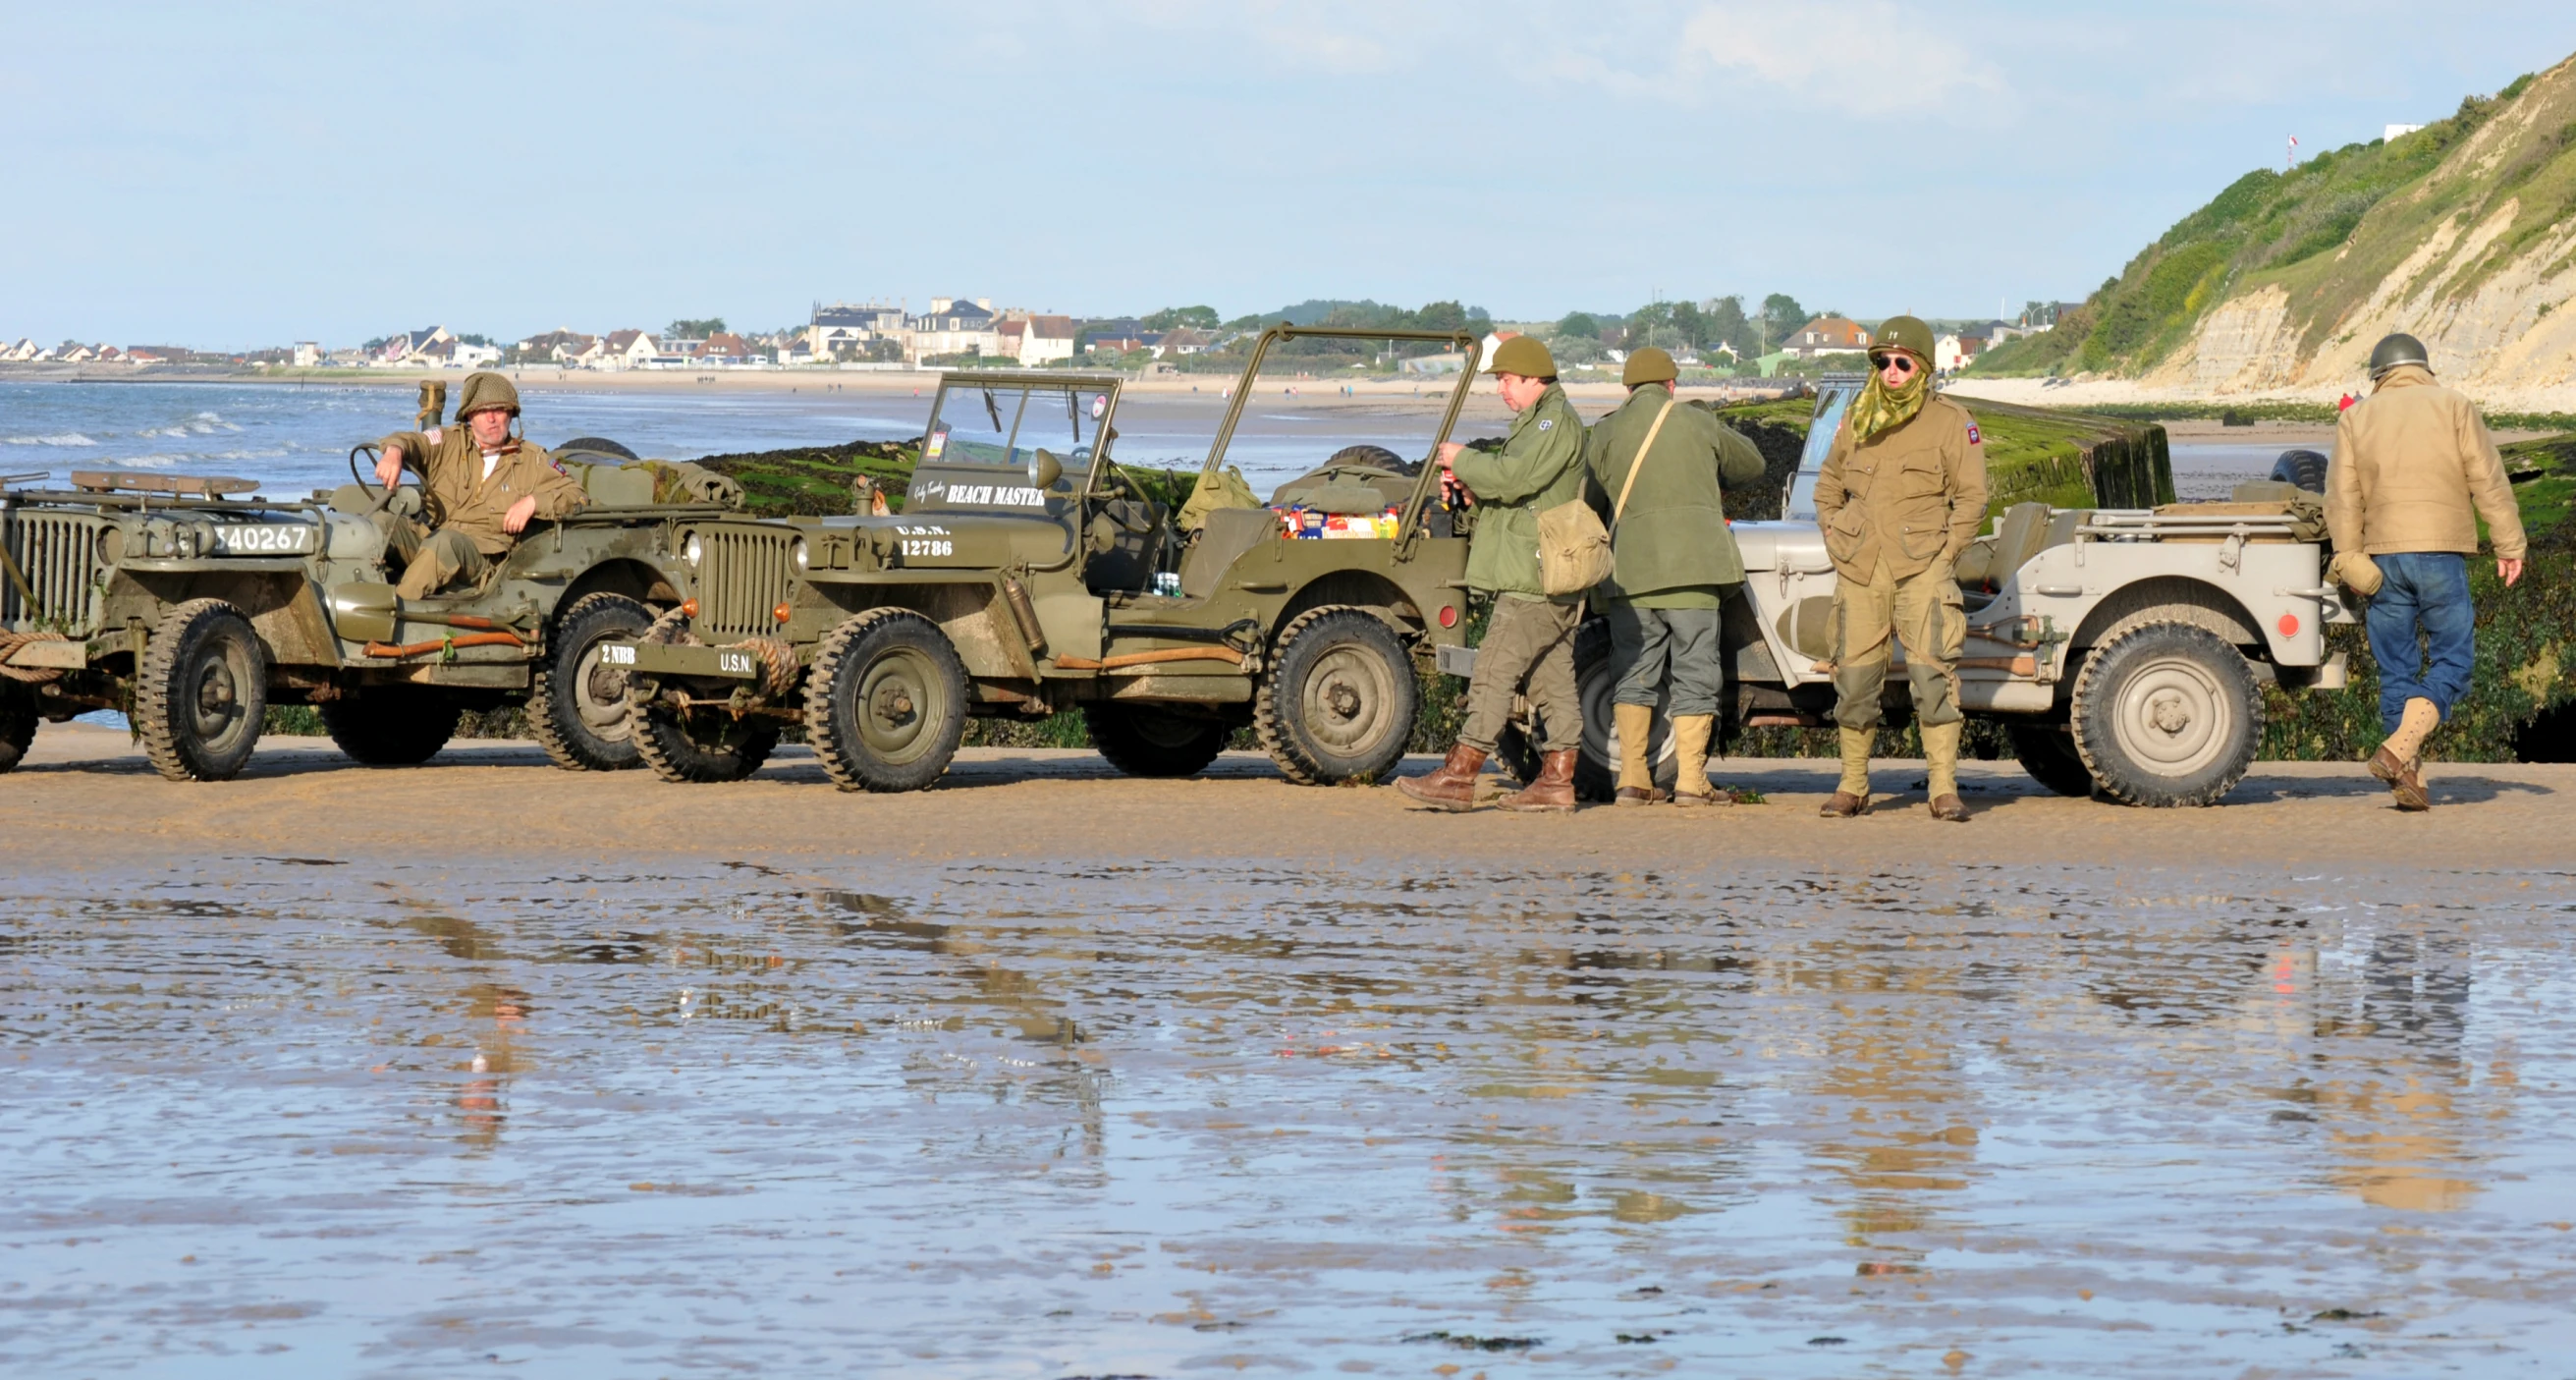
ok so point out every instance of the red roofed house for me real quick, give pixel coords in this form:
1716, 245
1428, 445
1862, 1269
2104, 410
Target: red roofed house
1827, 335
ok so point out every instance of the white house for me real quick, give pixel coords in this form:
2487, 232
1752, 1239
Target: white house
954, 326
21, 352
844, 329
1035, 341
414, 347
627, 350
308, 354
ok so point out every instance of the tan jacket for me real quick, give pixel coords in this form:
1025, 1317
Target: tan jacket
2410, 463
461, 499
1909, 496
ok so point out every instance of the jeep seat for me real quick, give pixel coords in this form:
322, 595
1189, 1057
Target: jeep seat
1229, 533
2021, 534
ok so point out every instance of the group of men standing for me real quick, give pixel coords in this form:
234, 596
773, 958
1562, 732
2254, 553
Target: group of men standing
1901, 495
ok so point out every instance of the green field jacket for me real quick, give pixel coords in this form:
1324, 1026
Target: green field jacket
1539, 467
1673, 535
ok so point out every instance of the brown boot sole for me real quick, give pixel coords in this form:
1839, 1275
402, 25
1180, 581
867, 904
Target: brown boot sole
1630, 795
1532, 807
1689, 801
1844, 805
1436, 802
1950, 809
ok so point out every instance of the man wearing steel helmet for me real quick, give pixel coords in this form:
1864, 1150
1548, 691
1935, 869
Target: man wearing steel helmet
1661, 467
1902, 493
1529, 641
2413, 470
482, 487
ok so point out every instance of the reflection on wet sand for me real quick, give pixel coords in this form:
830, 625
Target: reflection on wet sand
1147, 1119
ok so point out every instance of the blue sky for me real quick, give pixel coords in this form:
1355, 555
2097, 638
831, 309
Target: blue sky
237, 176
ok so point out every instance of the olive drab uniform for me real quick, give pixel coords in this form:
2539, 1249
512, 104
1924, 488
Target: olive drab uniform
1897, 509
1673, 560
1529, 641
468, 504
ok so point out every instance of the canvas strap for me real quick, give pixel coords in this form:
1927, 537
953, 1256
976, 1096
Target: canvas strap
1639, 463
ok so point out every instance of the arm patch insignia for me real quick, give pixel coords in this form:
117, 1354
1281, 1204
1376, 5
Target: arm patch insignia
1973, 438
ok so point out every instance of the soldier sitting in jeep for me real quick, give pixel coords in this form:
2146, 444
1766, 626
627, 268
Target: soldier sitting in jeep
482, 487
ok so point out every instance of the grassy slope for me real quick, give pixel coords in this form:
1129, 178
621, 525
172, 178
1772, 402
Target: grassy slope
2327, 232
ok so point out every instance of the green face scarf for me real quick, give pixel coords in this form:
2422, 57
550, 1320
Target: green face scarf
1881, 408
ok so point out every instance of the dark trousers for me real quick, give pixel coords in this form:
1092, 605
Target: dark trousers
1651, 649
2421, 614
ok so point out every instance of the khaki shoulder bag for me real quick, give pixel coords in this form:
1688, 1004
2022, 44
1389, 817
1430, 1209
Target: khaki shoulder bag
1573, 546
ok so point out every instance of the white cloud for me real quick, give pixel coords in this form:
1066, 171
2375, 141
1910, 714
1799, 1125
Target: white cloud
1860, 59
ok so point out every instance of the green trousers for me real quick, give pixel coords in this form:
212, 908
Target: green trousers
432, 561
1528, 650
1923, 611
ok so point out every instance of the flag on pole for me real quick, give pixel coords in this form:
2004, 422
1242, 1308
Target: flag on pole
2290, 155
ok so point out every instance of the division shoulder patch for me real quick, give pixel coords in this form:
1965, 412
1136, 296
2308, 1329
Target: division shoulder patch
1973, 438
1546, 422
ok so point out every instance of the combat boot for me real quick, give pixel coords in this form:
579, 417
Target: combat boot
1452, 784
1553, 792
2399, 761
1851, 793
1636, 724
1690, 756
1941, 771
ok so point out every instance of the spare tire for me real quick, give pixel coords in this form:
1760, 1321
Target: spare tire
1372, 457
597, 445
2303, 468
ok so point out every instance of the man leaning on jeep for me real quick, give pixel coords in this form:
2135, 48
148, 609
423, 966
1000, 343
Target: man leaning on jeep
482, 486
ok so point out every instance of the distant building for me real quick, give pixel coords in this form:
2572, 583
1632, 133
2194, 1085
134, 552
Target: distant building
562, 345
1826, 335
307, 354
414, 347
843, 330
1034, 341
1115, 334
1958, 349
74, 352
1182, 340
954, 326
627, 350
725, 348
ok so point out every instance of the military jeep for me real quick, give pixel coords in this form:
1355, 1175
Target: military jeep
2123, 650
192, 605
1029, 574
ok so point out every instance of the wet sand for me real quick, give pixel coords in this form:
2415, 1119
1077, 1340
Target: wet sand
1050, 1073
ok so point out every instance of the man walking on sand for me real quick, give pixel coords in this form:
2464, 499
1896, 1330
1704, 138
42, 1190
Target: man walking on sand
2413, 470
1662, 466
1530, 638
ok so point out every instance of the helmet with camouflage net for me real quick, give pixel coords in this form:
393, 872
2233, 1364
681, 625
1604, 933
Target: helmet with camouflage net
1525, 356
484, 391
2396, 349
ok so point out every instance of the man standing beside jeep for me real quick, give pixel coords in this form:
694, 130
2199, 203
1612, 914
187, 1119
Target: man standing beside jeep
1662, 467
483, 486
1530, 637
1903, 492
2412, 472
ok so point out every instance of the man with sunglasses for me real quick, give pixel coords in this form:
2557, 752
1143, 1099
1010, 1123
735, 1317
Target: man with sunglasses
1902, 493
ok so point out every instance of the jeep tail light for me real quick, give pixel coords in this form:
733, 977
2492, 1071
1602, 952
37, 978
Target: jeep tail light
2289, 625
1448, 615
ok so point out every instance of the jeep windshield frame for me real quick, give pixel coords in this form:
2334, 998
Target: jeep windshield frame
1464, 341
1003, 399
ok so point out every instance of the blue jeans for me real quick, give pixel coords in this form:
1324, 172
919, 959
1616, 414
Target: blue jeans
2426, 594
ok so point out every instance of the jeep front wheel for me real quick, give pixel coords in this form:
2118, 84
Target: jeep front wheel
1142, 740
1338, 704
885, 704
2166, 713
390, 725
576, 702
202, 692
18, 716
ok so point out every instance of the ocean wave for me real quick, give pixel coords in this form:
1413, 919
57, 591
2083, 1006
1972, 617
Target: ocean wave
262, 453
152, 462
68, 438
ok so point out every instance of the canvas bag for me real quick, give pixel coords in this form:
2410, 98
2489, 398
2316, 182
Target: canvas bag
1573, 546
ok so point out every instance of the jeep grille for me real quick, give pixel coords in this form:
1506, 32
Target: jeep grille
57, 554
742, 575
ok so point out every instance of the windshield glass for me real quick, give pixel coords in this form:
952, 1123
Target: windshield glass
1832, 400
1002, 425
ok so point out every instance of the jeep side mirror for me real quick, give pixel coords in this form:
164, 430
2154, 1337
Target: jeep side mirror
1044, 469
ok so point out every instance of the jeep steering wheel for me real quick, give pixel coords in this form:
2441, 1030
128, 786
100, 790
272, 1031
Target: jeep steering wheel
365, 473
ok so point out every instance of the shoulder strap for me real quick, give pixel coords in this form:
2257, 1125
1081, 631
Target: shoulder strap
1640, 462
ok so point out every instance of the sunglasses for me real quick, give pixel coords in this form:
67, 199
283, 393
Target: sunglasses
1903, 364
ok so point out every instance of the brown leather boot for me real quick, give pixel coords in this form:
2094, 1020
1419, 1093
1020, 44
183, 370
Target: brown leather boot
2404, 779
1452, 784
1949, 807
1553, 791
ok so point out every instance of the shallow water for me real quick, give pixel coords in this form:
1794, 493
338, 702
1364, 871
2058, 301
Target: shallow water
389, 1118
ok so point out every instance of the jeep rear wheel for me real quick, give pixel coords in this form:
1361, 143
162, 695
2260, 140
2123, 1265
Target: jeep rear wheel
391, 725
577, 703
885, 704
2048, 753
1339, 702
1142, 740
1596, 688
18, 718
2165, 714
202, 692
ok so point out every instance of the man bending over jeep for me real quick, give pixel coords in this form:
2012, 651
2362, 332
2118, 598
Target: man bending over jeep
482, 486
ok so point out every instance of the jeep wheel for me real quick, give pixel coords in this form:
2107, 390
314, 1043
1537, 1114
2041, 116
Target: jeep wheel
18, 718
1142, 740
885, 703
702, 746
202, 692
391, 725
1338, 704
1596, 768
2166, 714
2048, 753
576, 705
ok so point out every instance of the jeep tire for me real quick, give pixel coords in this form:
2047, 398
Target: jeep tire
885, 703
1339, 701
577, 704
391, 725
18, 717
1147, 740
704, 746
2166, 713
2048, 753
202, 692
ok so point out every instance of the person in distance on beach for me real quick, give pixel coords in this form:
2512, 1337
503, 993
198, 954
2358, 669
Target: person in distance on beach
484, 486
1903, 492
2413, 470
1530, 637
1662, 466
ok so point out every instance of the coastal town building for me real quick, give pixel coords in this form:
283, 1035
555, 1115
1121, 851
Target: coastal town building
627, 350
954, 326
868, 330
1826, 335
412, 348
1035, 341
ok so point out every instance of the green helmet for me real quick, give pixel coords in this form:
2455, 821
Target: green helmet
484, 391
1649, 365
2397, 349
1907, 333
1525, 356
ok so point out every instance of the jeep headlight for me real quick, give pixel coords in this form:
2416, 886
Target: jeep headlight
796, 553
690, 551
